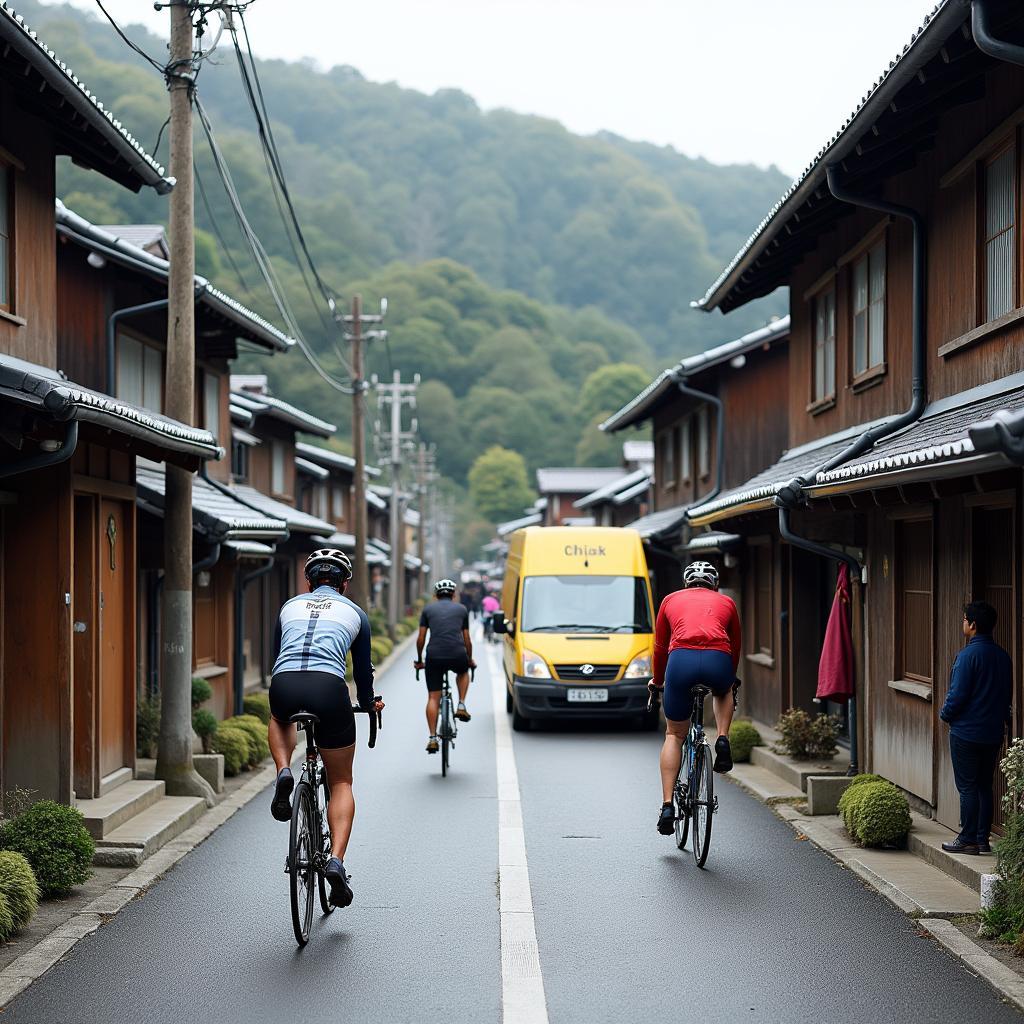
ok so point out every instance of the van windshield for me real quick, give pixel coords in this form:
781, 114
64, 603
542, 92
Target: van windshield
585, 604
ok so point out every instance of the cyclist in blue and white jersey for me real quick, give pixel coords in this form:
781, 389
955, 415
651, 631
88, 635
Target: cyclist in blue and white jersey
315, 633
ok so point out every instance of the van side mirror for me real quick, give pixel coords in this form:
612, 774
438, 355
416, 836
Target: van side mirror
498, 621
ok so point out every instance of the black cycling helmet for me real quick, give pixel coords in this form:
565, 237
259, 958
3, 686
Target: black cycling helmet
445, 587
330, 566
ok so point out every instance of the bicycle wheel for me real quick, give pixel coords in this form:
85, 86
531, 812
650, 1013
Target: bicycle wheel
446, 711
325, 844
703, 804
680, 805
301, 866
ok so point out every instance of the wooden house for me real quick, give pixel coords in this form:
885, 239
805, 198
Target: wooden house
560, 486
628, 497
901, 249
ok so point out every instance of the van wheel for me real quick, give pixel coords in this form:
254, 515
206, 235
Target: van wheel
519, 723
508, 701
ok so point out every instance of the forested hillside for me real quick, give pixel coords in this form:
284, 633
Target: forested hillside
609, 239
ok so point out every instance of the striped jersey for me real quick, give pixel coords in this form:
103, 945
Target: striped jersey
317, 630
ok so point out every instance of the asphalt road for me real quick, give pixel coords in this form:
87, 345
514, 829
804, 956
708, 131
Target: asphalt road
628, 928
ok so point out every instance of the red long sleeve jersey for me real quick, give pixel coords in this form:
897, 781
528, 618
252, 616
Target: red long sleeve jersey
697, 618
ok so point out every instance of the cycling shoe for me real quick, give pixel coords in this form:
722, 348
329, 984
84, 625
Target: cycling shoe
723, 755
666, 820
337, 879
281, 805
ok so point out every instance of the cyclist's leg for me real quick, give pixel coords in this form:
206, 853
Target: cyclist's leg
342, 807
462, 682
679, 677
672, 756
282, 743
434, 672
285, 688
433, 709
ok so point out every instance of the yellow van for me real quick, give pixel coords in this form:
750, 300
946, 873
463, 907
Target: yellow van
578, 623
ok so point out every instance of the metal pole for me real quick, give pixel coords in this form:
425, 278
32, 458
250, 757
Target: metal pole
421, 532
360, 586
397, 568
174, 750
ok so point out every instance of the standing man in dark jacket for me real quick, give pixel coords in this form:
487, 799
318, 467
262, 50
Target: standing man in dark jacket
978, 711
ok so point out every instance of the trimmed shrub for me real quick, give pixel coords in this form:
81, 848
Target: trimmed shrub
233, 743
18, 889
875, 812
402, 629
204, 722
258, 705
147, 727
378, 621
202, 691
380, 648
743, 737
806, 737
413, 622
54, 840
257, 733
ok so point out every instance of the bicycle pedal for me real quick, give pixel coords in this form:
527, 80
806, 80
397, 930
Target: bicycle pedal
287, 867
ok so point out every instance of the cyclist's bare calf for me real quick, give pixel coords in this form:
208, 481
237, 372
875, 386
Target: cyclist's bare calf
342, 809
675, 735
282, 743
433, 709
462, 682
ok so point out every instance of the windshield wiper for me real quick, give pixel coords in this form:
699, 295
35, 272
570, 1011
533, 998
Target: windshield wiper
569, 627
629, 625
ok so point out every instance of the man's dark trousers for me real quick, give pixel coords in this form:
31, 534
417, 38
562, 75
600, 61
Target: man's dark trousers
974, 765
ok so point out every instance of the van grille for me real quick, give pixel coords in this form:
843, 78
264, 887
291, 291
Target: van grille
601, 673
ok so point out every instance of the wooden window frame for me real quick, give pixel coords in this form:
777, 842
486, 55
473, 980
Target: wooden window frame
872, 372
704, 442
243, 448
276, 446
758, 653
1006, 144
338, 502
686, 450
819, 403
145, 343
900, 674
9, 309
668, 458
208, 376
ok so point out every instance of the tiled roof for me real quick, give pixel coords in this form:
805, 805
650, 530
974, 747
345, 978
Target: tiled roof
149, 237
922, 46
608, 491
61, 399
215, 512
311, 469
575, 479
504, 529
345, 541
639, 409
638, 451
639, 488
325, 457
714, 541
267, 405
14, 33
660, 523
298, 521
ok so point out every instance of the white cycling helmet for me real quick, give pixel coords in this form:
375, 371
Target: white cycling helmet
700, 574
445, 587
329, 559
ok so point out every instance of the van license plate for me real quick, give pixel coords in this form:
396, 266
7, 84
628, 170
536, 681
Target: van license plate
587, 696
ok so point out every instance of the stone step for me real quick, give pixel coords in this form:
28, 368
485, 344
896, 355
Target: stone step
107, 813
765, 785
926, 839
115, 779
796, 773
149, 830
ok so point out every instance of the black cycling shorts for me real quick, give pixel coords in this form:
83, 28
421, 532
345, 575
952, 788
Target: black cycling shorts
321, 694
437, 667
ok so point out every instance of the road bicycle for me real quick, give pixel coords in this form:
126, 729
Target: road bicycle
693, 796
447, 730
309, 840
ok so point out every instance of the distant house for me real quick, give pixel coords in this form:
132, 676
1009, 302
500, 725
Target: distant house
560, 487
627, 497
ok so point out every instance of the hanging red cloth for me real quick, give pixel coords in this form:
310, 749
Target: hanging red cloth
835, 670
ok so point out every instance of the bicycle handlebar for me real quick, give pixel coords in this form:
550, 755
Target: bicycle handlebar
376, 720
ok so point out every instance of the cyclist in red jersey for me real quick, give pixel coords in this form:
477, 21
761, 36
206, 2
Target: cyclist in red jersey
696, 641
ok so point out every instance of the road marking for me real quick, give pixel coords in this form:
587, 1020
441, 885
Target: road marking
522, 985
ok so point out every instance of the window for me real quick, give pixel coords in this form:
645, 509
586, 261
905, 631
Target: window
277, 481
6, 240
588, 604
914, 600
668, 458
140, 374
824, 346
764, 592
321, 501
686, 452
239, 461
339, 501
211, 403
869, 310
703, 441
1000, 235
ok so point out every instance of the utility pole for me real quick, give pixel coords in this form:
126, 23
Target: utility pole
360, 586
425, 478
174, 750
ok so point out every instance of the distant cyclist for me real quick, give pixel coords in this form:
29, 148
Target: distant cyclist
450, 650
697, 640
314, 634
489, 606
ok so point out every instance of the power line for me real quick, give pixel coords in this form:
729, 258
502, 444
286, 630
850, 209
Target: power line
217, 231
138, 49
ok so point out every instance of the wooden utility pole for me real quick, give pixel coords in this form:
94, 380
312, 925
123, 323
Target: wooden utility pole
360, 586
174, 751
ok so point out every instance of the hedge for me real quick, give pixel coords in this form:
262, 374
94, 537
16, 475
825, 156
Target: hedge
234, 744
258, 705
54, 840
202, 691
380, 648
402, 629
875, 812
19, 891
204, 724
256, 731
743, 737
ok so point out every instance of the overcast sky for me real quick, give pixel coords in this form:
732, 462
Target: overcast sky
761, 81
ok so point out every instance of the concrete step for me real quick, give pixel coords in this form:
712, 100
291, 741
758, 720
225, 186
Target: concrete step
765, 785
926, 839
115, 779
149, 830
796, 773
107, 813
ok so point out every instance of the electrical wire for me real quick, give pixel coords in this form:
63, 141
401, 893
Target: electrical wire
217, 231
133, 46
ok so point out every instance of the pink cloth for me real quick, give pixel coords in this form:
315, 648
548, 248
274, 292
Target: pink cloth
490, 604
835, 670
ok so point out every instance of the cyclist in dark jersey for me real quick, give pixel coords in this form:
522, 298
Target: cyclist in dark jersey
450, 650
315, 632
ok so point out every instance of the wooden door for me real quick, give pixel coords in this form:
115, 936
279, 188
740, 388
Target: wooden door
994, 576
115, 544
85, 647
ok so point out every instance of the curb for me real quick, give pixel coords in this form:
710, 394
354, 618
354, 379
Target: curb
35, 962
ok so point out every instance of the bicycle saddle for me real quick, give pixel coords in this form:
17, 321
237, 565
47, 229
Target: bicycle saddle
700, 690
304, 718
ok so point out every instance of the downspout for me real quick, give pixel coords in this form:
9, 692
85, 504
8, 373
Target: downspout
42, 460
719, 433
112, 321
209, 561
241, 582
1001, 50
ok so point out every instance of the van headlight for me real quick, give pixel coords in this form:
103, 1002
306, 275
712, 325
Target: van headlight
534, 666
638, 668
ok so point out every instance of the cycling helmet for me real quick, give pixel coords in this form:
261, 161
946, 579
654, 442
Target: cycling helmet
445, 587
700, 574
330, 564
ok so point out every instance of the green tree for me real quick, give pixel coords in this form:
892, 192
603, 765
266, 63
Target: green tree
596, 448
610, 387
498, 485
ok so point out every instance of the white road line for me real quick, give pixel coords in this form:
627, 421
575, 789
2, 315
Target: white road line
522, 985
